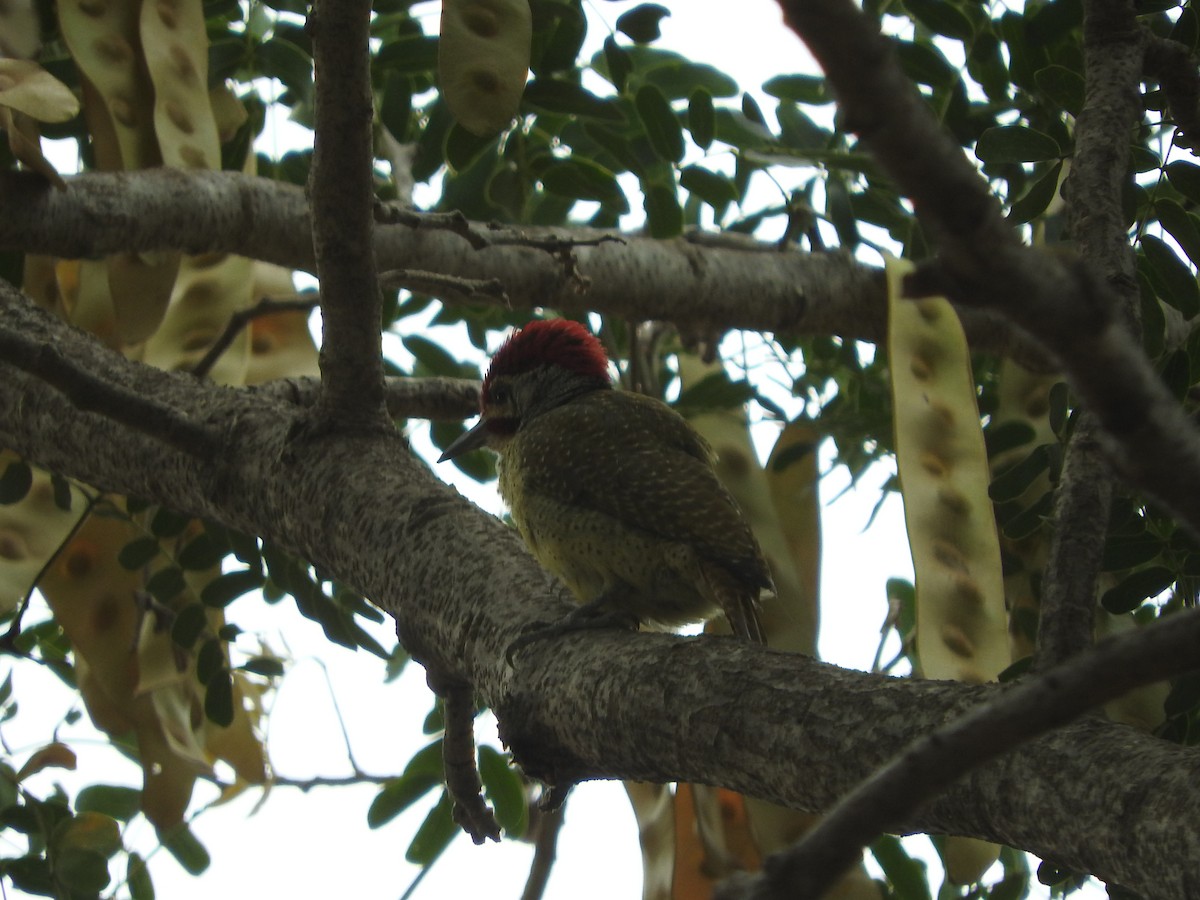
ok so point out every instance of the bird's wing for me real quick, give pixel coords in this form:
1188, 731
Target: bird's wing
636, 460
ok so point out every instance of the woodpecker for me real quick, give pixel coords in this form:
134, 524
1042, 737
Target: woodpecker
613, 492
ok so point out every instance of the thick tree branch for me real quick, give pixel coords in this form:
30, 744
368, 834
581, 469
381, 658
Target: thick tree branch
688, 281
933, 763
341, 202
1095, 796
1112, 47
35, 351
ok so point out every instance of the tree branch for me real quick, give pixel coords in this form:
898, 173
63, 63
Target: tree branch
688, 281
36, 352
1113, 52
439, 399
1174, 67
341, 202
1022, 712
1097, 796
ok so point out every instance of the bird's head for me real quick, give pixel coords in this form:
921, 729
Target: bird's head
547, 363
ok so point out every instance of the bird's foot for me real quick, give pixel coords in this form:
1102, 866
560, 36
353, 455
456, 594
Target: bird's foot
585, 617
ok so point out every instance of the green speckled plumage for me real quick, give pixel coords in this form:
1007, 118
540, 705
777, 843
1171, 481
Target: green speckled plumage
615, 493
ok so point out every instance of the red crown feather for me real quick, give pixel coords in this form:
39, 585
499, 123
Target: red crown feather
549, 342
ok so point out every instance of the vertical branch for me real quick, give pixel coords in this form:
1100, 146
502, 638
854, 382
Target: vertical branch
340, 205
1113, 57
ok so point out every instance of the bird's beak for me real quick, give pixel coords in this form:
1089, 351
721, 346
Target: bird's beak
472, 439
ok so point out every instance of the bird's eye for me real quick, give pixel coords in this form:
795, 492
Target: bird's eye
499, 393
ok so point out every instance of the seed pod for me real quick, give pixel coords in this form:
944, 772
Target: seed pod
961, 621
483, 60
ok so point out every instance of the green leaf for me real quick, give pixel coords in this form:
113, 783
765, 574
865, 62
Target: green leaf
619, 64
1007, 436
210, 661
168, 523
226, 588
282, 59
15, 482
1017, 479
1182, 225
1039, 196
714, 189
502, 786
641, 24
218, 699
1185, 178
1136, 587
558, 96
137, 877
924, 64
434, 835
712, 393
187, 850
942, 17
463, 148
409, 54
62, 491
1030, 519
840, 212
1016, 143
1179, 287
660, 122
797, 130
113, 800
395, 106
906, 875
1123, 551
701, 118
137, 553
399, 794
188, 625
81, 870
1060, 406
558, 32
201, 552
810, 89
664, 215
1063, 86
166, 584
680, 79
267, 666
225, 56
433, 357
582, 179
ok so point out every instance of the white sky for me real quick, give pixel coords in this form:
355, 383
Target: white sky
317, 844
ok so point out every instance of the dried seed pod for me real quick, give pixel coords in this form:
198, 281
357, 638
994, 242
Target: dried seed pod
483, 60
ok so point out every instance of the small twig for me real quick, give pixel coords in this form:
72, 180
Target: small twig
454, 222
463, 783
435, 283
337, 711
561, 248
243, 317
545, 851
